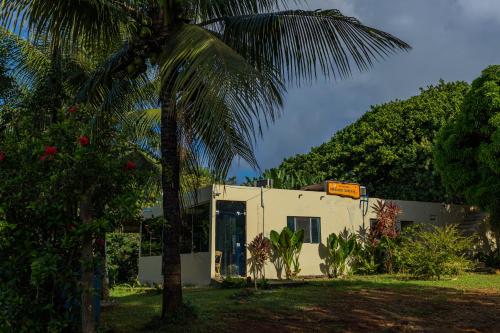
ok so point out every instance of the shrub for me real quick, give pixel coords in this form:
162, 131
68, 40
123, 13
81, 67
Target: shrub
364, 256
122, 252
341, 251
387, 213
287, 246
259, 249
435, 252
234, 283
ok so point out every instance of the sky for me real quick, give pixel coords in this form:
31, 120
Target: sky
451, 39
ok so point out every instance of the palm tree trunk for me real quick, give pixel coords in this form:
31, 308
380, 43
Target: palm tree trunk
87, 311
171, 262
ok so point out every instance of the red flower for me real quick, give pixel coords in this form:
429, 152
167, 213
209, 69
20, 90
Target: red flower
72, 109
51, 150
100, 243
84, 140
43, 157
131, 165
2, 156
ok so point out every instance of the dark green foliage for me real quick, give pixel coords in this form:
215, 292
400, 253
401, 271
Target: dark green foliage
389, 149
434, 252
122, 255
230, 282
341, 252
467, 152
287, 246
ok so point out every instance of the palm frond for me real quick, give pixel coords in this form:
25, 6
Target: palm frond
85, 21
221, 96
205, 10
29, 62
304, 44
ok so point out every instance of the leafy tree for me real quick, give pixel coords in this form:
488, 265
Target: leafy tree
389, 149
123, 254
60, 164
289, 179
467, 151
222, 65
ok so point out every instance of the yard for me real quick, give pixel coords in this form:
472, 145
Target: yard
361, 303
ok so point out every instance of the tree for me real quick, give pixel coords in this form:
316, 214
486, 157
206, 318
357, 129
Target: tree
467, 150
68, 178
389, 149
222, 68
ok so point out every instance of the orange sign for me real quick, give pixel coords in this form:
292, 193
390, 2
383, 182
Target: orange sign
349, 190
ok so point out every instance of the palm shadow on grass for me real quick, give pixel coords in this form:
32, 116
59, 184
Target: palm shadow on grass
355, 305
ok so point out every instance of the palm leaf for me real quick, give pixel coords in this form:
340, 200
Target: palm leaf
222, 98
301, 45
85, 21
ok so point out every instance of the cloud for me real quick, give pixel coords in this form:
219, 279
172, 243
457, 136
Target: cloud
480, 9
451, 39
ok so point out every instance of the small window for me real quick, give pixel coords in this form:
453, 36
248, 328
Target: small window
373, 224
405, 224
310, 225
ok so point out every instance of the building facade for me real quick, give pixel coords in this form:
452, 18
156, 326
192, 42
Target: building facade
221, 220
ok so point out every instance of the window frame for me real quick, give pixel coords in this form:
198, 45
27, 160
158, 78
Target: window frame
311, 218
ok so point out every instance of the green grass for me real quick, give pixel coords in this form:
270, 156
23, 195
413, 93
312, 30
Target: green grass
220, 310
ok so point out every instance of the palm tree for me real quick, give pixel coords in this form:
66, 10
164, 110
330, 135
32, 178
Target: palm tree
222, 64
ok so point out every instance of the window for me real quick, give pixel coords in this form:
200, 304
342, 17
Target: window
310, 225
195, 229
405, 224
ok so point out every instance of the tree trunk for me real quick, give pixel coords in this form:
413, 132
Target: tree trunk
171, 262
87, 310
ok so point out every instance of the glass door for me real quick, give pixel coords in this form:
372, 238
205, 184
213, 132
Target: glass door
230, 235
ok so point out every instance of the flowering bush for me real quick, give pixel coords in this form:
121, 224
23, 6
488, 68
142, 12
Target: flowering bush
84, 140
41, 231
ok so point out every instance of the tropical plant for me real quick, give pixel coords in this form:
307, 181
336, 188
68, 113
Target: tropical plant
436, 252
287, 246
341, 251
122, 254
286, 179
389, 149
467, 149
387, 213
389, 247
260, 249
81, 168
364, 261
222, 65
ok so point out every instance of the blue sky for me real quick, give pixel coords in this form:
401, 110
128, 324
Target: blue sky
451, 39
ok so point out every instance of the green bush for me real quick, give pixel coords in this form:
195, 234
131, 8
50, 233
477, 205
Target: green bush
234, 283
122, 252
287, 246
434, 252
341, 252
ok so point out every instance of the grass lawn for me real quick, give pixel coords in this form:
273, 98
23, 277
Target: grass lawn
361, 303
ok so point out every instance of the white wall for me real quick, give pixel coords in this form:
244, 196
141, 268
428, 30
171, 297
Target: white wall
195, 269
336, 213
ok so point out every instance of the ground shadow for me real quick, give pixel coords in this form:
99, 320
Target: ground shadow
347, 305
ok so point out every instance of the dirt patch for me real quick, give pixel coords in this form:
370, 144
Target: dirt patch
379, 310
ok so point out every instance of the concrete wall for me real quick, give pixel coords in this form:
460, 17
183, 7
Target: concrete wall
336, 214
195, 269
